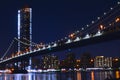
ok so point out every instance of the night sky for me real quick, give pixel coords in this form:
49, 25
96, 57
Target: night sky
53, 20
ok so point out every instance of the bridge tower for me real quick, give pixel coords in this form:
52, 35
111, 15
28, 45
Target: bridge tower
25, 29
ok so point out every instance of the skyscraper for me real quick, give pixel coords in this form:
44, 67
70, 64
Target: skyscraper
24, 29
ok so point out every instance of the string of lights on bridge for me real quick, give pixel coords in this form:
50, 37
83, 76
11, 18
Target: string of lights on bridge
73, 37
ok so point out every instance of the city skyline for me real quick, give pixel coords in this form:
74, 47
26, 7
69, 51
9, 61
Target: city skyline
47, 22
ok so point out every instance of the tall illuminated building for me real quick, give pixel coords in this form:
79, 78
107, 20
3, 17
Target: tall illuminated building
24, 29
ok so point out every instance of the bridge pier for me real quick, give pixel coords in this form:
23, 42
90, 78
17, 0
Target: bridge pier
22, 65
30, 63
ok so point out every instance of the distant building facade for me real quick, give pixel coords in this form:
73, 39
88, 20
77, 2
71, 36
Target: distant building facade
102, 62
24, 29
50, 62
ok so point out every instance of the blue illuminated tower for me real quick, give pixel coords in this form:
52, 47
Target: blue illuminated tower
25, 30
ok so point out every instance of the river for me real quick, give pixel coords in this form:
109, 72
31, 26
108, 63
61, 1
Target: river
89, 75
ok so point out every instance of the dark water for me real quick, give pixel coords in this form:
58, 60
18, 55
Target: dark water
91, 75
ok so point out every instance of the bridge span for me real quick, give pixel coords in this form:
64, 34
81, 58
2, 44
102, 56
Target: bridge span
66, 44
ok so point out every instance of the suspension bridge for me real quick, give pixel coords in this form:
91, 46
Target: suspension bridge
104, 28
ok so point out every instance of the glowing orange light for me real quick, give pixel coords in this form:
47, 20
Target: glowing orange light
12, 69
101, 27
116, 59
77, 65
117, 20
78, 60
26, 50
91, 60
72, 35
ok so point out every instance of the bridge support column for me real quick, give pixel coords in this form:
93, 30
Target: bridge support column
30, 63
23, 67
16, 66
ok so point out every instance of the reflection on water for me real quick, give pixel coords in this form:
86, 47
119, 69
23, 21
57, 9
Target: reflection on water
117, 74
90, 75
79, 76
103, 74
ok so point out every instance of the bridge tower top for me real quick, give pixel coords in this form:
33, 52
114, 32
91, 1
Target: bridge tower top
25, 28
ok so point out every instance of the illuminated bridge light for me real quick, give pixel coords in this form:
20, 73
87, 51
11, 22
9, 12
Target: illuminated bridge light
117, 20
104, 13
87, 36
101, 27
72, 35
49, 46
82, 28
15, 55
39, 49
77, 39
92, 22
98, 33
111, 8
69, 41
87, 25
54, 45
43, 48
98, 18
34, 50
26, 52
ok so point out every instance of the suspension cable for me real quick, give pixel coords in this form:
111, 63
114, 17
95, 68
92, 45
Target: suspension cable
30, 41
22, 42
110, 15
7, 49
97, 23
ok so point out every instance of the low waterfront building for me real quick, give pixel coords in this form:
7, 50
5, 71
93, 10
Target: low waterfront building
102, 62
50, 62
